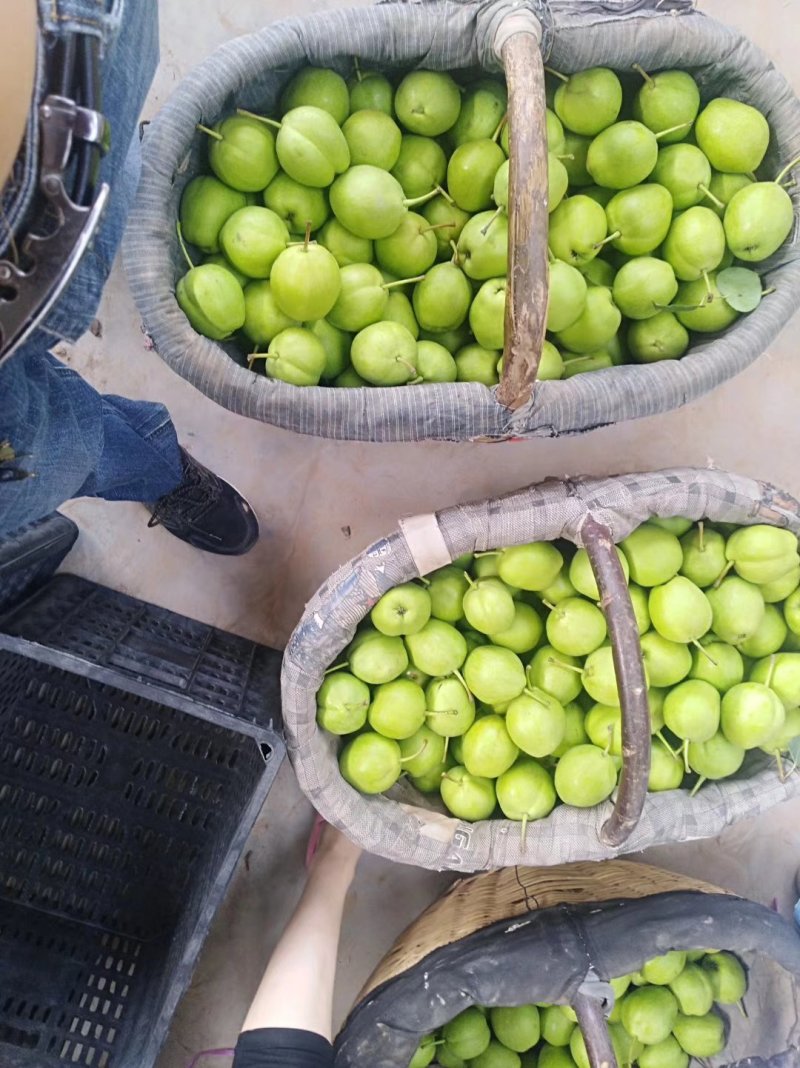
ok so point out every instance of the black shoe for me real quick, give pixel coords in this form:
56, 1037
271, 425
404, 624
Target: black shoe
206, 512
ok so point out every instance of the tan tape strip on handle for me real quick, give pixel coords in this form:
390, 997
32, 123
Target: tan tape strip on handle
425, 542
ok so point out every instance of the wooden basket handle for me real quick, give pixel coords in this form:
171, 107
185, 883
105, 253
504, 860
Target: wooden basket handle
594, 1028
526, 294
629, 666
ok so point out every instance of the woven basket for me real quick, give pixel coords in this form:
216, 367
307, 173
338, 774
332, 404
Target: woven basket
556, 935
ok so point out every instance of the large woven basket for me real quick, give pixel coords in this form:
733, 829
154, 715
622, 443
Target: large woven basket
594, 513
250, 72
554, 935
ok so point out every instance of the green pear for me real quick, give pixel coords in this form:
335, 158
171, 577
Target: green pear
487, 747
700, 1036
477, 364
599, 272
654, 556
644, 286
585, 776
494, 675
483, 246
526, 792
661, 337
685, 172
518, 1028
661, 970
398, 309
639, 219
695, 243
434, 363
555, 132
263, 319
384, 354
427, 102
212, 300
704, 557
668, 99
467, 1035
361, 299
305, 282
701, 307
536, 722
524, 632
758, 220
762, 553
242, 153
370, 763
577, 227
666, 662
311, 147
597, 324
723, 187
442, 299
599, 360
468, 797
483, 106
782, 674
206, 205
471, 173
733, 135
557, 182
589, 101
566, 297
252, 239
296, 356
437, 649
716, 758
368, 201
410, 250
342, 703
421, 165
447, 221
737, 607
398, 709
372, 91
622, 155
649, 1013
402, 610
220, 261
321, 87
298, 205
487, 314
573, 157
336, 344
345, 247
727, 975
373, 138
551, 365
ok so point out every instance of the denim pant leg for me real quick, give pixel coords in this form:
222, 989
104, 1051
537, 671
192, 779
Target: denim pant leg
70, 441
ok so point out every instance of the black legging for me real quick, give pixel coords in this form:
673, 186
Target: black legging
273, 1047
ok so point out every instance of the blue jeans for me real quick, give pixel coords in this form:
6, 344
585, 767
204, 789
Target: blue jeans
76, 442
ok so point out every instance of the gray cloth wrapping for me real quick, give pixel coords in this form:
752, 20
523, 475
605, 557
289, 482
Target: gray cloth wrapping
408, 827
250, 71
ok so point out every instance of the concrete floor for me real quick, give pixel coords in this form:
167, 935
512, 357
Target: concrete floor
320, 502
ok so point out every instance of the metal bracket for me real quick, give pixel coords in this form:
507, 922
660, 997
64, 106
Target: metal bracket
50, 259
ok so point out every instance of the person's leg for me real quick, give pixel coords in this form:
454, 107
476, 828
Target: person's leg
297, 989
65, 440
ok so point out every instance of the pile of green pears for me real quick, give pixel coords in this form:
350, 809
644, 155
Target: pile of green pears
491, 682
361, 238
664, 1015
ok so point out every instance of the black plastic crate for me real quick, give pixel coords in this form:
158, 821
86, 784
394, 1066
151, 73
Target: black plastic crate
136, 750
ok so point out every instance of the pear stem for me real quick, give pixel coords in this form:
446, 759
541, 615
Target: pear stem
701, 533
308, 235
549, 604
416, 381
357, 69
419, 752
469, 578
707, 193
562, 664
446, 195
665, 743
259, 118
184, 249
697, 785
454, 247
685, 751
766, 292
524, 834
640, 70
437, 226
680, 307
709, 290
567, 155
722, 574
771, 672
499, 127
488, 552
210, 132
557, 74
672, 129
424, 581
705, 652
463, 682
446, 748
337, 667
498, 211
402, 281
413, 201
534, 697
251, 359
550, 257
789, 166
410, 366
606, 240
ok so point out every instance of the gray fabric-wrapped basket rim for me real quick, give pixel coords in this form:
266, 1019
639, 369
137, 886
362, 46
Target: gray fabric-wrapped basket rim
399, 827
445, 34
